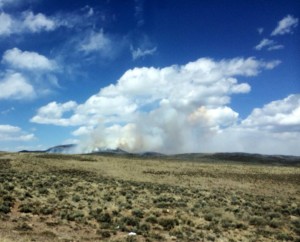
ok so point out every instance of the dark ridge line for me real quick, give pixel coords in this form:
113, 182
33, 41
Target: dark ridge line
240, 157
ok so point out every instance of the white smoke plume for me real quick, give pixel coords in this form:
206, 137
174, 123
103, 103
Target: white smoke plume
171, 110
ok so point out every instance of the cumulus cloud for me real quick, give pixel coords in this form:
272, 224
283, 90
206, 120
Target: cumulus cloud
14, 133
278, 116
15, 86
285, 26
271, 129
140, 53
53, 112
27, 74
172, 109
17, 58
37, 22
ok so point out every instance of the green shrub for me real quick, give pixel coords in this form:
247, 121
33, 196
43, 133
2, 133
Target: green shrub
104, 218
145, 227
76, 198
95, 213
9, 186
275, 223
131, 221
46, 210
296, 223
131, 239
8, 199
72, 215
61, 194
258, 221
168, 223
296, 211
43, 191
24, 227
104, 233
274, 215
151, 219
4, 209
137, 213
226, 223
26, 208
240, 226
208, 217
284, 236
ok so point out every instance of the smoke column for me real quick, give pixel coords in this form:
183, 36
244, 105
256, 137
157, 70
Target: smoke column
171, 110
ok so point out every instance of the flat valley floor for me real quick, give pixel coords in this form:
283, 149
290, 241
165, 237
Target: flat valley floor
47, 197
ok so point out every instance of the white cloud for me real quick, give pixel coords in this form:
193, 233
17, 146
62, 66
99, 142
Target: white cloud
27, 60
37, 22
263, 43
172, 109
96, 42
28, 74
239, 139
271, 64
15, 86
53, 112
272, 129
83, 130
140, 53
5, 24
285, 26
26, 22
14, 133
214, 117
278, 116
269, 44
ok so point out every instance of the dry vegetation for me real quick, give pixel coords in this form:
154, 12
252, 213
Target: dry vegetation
47, 197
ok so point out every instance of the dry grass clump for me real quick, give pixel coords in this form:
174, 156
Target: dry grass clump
62, 198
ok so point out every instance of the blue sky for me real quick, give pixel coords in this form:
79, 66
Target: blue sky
141, 75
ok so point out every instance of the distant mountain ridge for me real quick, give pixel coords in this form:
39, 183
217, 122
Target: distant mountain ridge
243, 157
59, 149
203, 157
